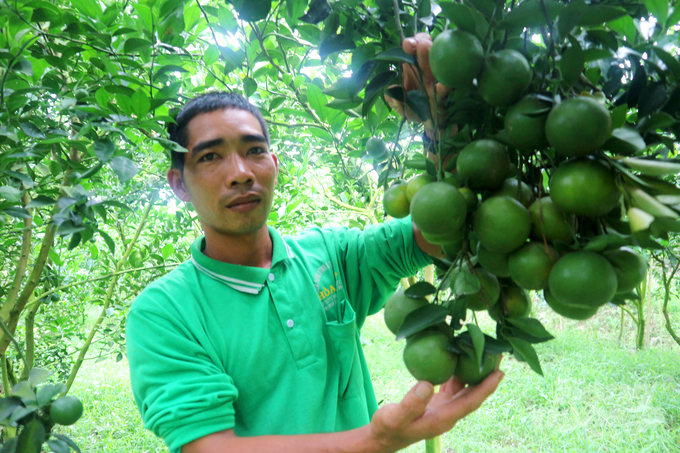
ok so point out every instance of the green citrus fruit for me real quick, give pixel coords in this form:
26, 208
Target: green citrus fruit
377, 149
583, 279
395, 201
453, 236
501, 224
584, 187
456, 57
509, 189
496, 263
452, 249
630, 267
80, 94
514, 301
578, 126
530, 265
397, 307
484, 164
489, 293
504, 78
471, 199
438, 208
469, 372
625, 141
66, 410
136, 259
416, 183
566, 310
453, 179
525, 124
427, 359
548, 220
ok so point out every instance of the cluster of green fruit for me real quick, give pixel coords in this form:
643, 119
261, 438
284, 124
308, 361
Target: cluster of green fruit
427, 355
551, 201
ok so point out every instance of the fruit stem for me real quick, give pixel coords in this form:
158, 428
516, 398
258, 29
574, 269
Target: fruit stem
397, 20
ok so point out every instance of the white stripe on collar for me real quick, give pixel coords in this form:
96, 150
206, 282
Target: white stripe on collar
239, 285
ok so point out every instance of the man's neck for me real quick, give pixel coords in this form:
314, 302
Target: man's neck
254, 249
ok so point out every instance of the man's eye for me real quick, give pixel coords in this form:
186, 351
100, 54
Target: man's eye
207, 157
257, 150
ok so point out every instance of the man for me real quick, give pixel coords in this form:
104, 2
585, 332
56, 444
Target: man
253, 345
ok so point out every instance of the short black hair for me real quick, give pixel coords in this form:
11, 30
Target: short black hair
205, 103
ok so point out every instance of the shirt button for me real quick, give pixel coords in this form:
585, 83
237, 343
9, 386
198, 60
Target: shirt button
290, 323
271, 277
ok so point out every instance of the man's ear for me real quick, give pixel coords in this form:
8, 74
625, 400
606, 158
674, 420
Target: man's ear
177, 184
276, 164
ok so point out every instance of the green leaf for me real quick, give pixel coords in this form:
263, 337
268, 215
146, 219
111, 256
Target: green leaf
466, 283
31, 130
532, 326
318, 11
31, 437
249, 86
652, 97
28, 182
133, 45
461, 15
527, 353
38, 375
124, 168
167, 251
422, 318
619, 116
104, 149
418, 102
11, 194
624, 26
530, 13
669, 60
58, 446
396, 55
109, 242
19, 213
571, 63
23, 390
89, 8
658, 9
420, 289
658, 120
317, 100
477, 337
375, 86
68, 441
8, 405
252, 10
590, 55
139, 103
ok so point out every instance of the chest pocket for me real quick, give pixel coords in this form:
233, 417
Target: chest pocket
343, 335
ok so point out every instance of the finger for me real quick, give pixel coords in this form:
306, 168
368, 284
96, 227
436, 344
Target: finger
409, 45
452, 386
413, 405
423, 57
469, 399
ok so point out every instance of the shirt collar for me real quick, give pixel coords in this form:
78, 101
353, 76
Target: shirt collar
245, 279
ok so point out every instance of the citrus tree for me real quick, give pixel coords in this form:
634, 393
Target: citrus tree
555, 121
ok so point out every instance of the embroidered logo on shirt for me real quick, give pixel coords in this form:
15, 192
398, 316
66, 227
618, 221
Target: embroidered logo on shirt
327, 285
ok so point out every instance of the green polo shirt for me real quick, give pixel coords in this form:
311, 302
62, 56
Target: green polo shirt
215, 346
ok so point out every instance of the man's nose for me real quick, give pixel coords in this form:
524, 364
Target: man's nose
238, 171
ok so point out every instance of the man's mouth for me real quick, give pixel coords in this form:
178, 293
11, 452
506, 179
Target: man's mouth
244, 204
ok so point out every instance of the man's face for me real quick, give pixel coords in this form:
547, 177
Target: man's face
229, 173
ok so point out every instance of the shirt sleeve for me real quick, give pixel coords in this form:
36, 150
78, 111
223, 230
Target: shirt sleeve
181, 392
373, 262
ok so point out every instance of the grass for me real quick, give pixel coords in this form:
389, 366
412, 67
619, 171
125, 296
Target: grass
594, 396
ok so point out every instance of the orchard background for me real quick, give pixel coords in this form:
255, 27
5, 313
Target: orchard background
86, 218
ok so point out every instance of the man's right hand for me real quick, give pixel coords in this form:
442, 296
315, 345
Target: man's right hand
422, 414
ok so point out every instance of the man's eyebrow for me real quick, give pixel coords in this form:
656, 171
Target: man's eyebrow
246, 138
204, 145
249, 138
